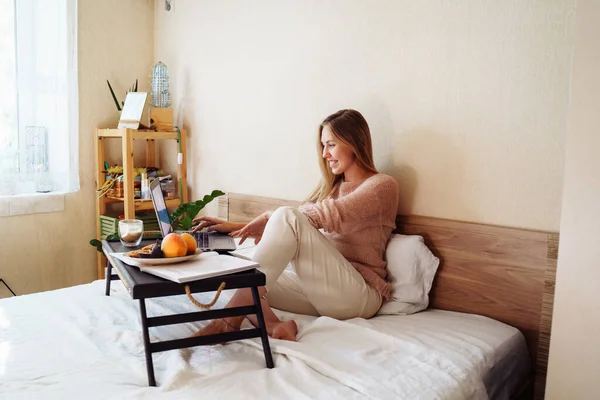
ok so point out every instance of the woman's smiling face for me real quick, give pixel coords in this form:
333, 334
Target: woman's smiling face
339, 155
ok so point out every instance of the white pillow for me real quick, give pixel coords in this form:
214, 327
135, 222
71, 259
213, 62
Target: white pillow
411, 268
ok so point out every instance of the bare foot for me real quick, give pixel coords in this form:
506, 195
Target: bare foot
216, 326
285, 330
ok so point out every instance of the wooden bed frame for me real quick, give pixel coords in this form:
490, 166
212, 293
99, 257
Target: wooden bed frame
503, 273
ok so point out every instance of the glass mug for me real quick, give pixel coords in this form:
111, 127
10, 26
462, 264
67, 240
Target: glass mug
131, 232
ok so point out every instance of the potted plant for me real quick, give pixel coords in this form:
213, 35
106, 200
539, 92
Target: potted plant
133, 88
182, 217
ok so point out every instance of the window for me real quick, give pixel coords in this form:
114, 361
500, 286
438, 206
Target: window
38, 108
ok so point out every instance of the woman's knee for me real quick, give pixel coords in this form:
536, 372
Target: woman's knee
286, 213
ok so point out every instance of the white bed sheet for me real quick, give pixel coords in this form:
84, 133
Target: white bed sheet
78, 343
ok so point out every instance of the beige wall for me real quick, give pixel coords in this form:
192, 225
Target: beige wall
467, 104
47, 251
574, 354
466, 100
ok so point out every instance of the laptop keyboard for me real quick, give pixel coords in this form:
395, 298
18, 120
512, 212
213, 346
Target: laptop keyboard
202, 239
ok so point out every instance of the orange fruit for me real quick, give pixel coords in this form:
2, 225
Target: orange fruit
173, 245
190, 241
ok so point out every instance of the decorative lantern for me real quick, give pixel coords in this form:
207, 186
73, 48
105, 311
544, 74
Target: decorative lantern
160, 86
161, 113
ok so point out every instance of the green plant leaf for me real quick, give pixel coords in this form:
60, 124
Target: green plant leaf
186, 223
182, 217
133, 87
97, 244
113, 96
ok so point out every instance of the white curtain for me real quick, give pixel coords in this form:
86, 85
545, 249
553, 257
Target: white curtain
45, 140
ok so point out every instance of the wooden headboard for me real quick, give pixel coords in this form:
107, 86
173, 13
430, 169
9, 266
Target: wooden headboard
503, 273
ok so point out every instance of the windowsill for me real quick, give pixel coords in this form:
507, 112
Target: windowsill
31, 203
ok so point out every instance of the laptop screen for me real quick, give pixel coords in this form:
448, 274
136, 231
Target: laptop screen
160, 207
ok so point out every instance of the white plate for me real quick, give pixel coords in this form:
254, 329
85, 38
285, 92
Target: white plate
165, 260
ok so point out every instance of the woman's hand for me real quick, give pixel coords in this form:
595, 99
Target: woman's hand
216, 224
254, 228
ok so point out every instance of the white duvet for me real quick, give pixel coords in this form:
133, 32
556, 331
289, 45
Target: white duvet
78, 343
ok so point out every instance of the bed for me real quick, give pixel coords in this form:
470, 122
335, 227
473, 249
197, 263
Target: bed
485, 335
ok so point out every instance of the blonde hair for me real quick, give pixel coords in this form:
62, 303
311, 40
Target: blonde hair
350, 128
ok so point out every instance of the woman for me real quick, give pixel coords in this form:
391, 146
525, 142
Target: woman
340, 272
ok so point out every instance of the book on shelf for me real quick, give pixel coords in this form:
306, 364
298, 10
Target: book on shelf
207, 265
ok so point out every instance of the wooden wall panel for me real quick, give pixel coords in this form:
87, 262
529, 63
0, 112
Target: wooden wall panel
243, 208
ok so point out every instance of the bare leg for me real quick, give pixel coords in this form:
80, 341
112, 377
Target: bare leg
276, 328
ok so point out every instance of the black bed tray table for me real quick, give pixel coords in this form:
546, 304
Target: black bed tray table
142, 286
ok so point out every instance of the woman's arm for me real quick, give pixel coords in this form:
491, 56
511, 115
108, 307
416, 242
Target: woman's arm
372, 199
216, 224
254, 228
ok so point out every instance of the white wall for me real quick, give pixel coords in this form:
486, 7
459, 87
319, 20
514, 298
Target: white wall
466, 100
574, 364
48, 251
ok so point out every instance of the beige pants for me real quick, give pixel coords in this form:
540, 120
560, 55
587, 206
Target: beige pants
321, 281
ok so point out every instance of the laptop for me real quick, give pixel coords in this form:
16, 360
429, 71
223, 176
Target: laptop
207, 241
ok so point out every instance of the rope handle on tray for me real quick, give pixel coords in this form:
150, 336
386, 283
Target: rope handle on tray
208, 305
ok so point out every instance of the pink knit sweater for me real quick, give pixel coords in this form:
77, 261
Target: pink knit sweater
358, 219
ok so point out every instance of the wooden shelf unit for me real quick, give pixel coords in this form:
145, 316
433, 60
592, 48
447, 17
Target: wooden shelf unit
142, 204
131, 205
